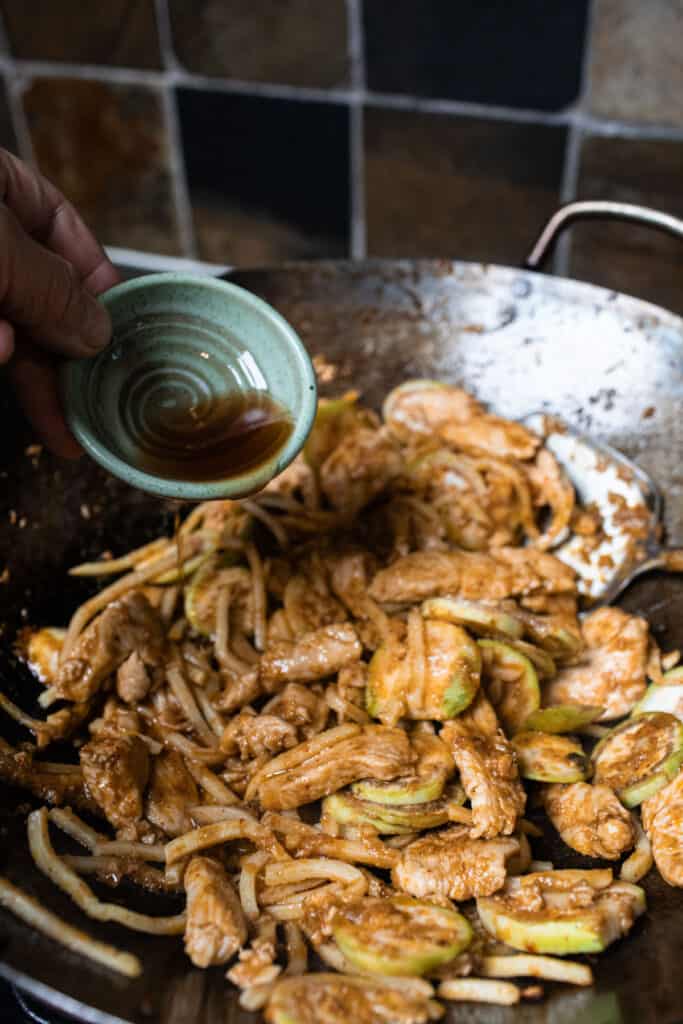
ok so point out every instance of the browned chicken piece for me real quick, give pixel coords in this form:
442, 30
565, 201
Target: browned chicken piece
590, 819
172, 791
351, 683
488, 769
117, 720
216, 926
304, 707
350, 573
309, 605
63, 723
18, 768
319, 910
256, 964
663, 822
359, 469
491, 435
314, 656
473, 575
452, 864
611, 672
239, 690
278, 628
132, 679
412, 412
251, 735
552, 489
127, 625
116, 770
329, 762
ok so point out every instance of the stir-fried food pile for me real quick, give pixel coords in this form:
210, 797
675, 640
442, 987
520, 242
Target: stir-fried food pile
320, 718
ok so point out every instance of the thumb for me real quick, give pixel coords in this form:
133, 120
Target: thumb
42, 293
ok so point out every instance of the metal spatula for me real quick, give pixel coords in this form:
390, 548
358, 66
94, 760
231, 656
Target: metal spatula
628, 502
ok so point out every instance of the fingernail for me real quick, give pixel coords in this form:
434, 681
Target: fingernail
96, 332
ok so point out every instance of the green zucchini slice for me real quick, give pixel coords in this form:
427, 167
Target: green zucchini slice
541, 660
511, 683
400, 935
395, 819
640, 756
339, 998
563, 718
665, 696
478, 618
452, 666
562, 912
547, 757
434, 767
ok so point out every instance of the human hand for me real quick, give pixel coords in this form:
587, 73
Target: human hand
51, 269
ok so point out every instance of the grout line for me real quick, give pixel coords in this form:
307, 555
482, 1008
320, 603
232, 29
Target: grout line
354, 18
358, 238
176, 153
148, 261
270, 90
176, 159
572, 160
178, 76
165, 31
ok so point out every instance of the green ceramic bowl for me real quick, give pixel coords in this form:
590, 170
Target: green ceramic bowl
181, 338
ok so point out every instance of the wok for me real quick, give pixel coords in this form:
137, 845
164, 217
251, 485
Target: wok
607, 363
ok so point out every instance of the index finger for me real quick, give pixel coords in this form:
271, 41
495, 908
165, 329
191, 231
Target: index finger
47, 216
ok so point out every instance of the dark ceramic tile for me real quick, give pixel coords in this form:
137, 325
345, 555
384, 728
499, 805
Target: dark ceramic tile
636, 71
7, 137
621, 256
120, 32
269, 179
458, 187
105, 146
300, 42
522, 54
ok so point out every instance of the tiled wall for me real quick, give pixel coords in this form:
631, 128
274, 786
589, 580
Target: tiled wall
251, 131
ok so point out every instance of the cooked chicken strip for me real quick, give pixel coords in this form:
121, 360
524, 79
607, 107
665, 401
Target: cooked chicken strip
422, 408
329, 762
491, 435
314, 656
127, 625
132, 679
450, 863
116, 770
251, 735
359, 468
18, 768
663, 822
301, 706
612, 670
488, 769
308, 604
472, 575
216, 926
590, 819
172, 791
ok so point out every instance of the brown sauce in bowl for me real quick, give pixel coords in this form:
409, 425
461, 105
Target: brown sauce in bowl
213, 440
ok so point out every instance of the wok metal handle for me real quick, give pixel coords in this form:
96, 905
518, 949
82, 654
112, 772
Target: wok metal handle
591, 209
